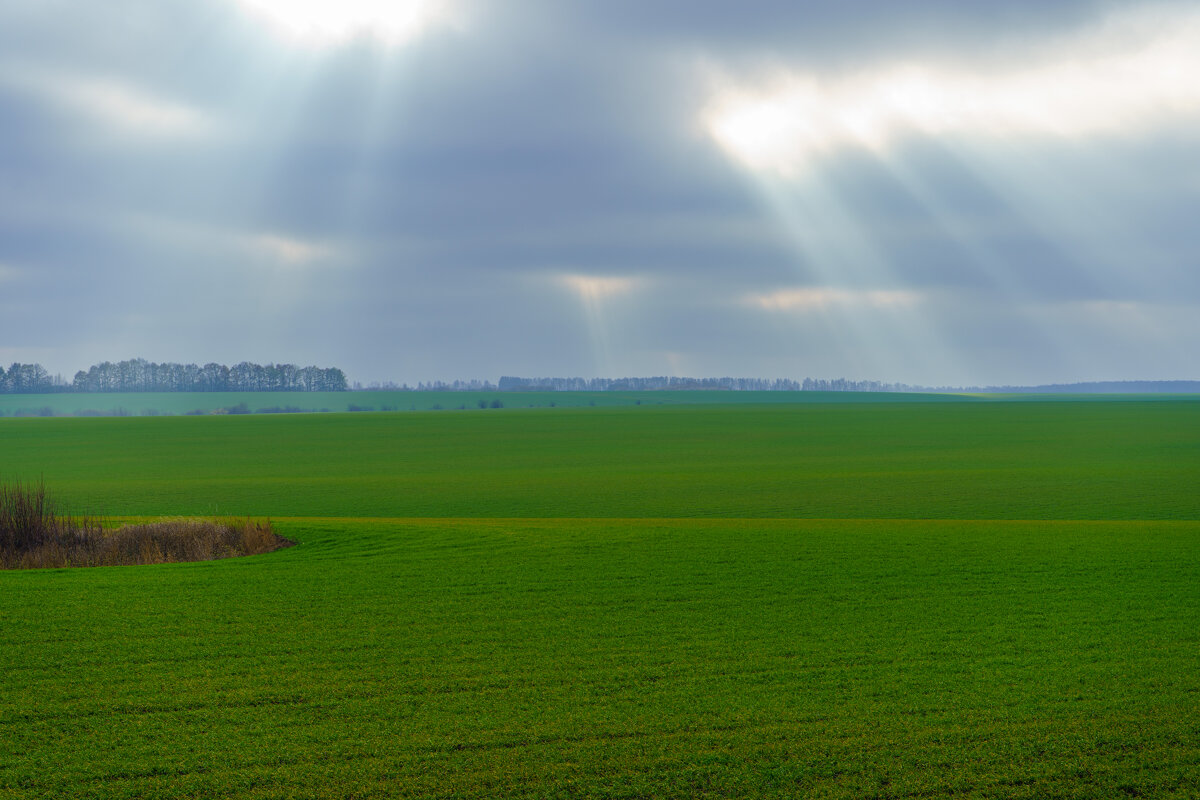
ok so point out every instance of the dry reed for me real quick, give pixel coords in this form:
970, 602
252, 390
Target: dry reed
34, 535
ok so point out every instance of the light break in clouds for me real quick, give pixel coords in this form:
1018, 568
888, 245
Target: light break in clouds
1133, 73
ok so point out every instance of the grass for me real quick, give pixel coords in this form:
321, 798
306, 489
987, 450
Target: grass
135, 404
152, 404
1055, 460
619, 658
597, 603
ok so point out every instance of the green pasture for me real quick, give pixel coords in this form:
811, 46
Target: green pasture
150, 404
973, 599
963, 460
153, 404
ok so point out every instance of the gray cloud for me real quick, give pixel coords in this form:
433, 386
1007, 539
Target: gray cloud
180, 185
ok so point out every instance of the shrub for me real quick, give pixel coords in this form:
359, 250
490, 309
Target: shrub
33, 534
30, 522
183, 540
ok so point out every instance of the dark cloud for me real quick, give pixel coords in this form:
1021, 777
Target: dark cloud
832, 29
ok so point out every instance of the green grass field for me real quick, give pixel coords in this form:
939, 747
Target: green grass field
152, 404
146, 404
978, 599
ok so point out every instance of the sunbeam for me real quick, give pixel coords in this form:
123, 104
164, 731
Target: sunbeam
1084, 213
1060, 252
594, 293
848, 280
316, 101
985, 267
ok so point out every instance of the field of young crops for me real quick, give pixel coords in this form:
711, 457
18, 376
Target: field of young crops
153, 404
979, 599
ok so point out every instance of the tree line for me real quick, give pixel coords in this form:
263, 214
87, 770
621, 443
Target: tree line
663, 382
657, 383
28, 379
140, 375
510, 383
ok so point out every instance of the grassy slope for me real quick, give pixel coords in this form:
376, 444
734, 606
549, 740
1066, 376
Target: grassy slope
624, 657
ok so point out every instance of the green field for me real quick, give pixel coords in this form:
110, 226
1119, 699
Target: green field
152, 404
155, 404
919, 599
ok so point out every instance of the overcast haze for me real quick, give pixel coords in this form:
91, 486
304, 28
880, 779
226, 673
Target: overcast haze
934, 192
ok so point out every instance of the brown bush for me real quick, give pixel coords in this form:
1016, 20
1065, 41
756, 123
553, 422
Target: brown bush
33, 535
30, 520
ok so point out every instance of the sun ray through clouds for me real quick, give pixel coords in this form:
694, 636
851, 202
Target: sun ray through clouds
848, 281
595, 294
1085, 213
1015, 137
974, 243
316, 101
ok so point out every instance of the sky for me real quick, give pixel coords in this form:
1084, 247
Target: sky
932, 192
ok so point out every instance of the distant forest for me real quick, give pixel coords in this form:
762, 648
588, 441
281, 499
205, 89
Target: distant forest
661, 383
139, 375
825, 385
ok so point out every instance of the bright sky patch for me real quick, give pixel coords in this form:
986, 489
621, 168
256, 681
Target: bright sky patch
1134, 72
112, 103
819, 298
324, 23
598, 287
289, 250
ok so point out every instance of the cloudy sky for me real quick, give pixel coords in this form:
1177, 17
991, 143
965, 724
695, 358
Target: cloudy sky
935, 191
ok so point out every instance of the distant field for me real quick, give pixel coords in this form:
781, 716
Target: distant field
978, 599
966, 460
142, 404
147, 404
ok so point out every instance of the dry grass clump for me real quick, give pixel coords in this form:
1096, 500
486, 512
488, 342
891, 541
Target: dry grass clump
34, 535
